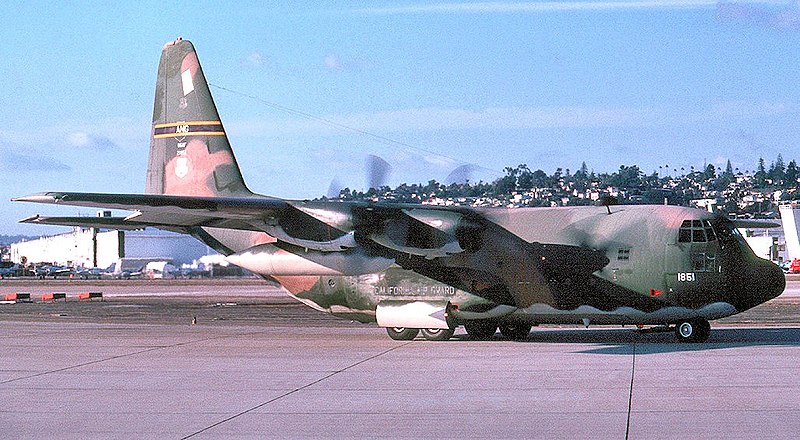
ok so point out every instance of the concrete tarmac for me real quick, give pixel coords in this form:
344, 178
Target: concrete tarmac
127, 374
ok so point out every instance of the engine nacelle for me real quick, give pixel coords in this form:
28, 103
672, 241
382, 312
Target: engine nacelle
269, 259
411, 314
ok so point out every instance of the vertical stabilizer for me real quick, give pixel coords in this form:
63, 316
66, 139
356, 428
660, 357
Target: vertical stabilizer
189, 151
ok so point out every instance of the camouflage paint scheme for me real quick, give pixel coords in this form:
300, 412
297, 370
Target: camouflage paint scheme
604, 265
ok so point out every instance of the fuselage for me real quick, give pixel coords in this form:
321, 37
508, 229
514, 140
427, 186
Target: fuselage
665, 264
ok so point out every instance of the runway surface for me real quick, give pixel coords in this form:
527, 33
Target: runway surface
257, 366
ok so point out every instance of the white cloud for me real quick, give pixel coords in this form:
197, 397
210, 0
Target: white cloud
535, 7
254, 59
105, 135
435, 118
19, 160
78, 139
746, 109
333, 62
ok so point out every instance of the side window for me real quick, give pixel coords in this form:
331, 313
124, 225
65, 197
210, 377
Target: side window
710, 232
623, 254
703, 262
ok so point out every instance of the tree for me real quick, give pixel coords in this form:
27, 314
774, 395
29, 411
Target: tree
584, 169
710, 172
626, 177
507, 183
524, 177
581, 178
760, 176
540, 179
792, 173
728, 169
777, 171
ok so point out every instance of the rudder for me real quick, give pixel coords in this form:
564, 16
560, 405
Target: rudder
189, 150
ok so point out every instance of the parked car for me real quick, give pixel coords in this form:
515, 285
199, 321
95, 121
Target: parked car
795, 266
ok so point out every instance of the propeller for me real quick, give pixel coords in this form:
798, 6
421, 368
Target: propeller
334, 189
462, 174
378, 171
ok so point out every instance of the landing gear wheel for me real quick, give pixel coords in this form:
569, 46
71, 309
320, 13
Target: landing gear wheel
480, 330
515, 330
695, 330
402, 333
437, 334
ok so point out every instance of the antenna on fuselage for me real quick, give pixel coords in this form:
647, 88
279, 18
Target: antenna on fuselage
607, 201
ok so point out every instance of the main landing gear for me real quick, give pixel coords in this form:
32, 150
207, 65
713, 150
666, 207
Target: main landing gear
693, 330
479, 330
431, 334
437, 334
402, 333
516, 331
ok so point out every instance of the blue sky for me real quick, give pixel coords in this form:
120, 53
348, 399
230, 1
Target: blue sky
433, 86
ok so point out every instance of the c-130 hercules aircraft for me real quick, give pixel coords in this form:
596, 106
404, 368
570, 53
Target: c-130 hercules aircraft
417, 268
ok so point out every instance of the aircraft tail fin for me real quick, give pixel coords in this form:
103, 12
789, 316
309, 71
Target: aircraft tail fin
189, 150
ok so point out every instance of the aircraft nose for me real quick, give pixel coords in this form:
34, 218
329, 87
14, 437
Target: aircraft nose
764, 281
776, 280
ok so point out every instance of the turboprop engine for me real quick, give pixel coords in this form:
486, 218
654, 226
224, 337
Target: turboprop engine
417, 232
269, 259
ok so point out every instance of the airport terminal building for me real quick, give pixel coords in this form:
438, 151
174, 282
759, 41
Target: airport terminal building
90, 247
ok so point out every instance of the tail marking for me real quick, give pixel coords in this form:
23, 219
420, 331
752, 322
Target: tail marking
182, 129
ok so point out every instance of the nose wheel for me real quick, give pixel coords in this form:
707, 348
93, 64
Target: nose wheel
695, 330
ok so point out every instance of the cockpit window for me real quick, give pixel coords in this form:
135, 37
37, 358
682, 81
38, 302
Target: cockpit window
696, 231
728, 234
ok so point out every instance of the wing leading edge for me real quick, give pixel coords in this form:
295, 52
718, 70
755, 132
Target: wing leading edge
457, 246
162, 211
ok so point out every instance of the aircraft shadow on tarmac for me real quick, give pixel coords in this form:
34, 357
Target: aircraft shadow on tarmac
621, 341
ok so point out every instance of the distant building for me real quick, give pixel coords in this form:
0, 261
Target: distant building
88, 247
789, 214
709, 205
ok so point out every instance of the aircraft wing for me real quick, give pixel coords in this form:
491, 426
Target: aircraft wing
162, 211
229, 207
461, 247
454, 245
754, 224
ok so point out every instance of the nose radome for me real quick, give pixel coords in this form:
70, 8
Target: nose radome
776, 280
766, 281
759, 282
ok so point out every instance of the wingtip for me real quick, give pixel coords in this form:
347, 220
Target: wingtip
32, 219
43, 197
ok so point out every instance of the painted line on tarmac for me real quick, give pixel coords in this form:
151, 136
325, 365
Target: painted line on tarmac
289, 393
121, 356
